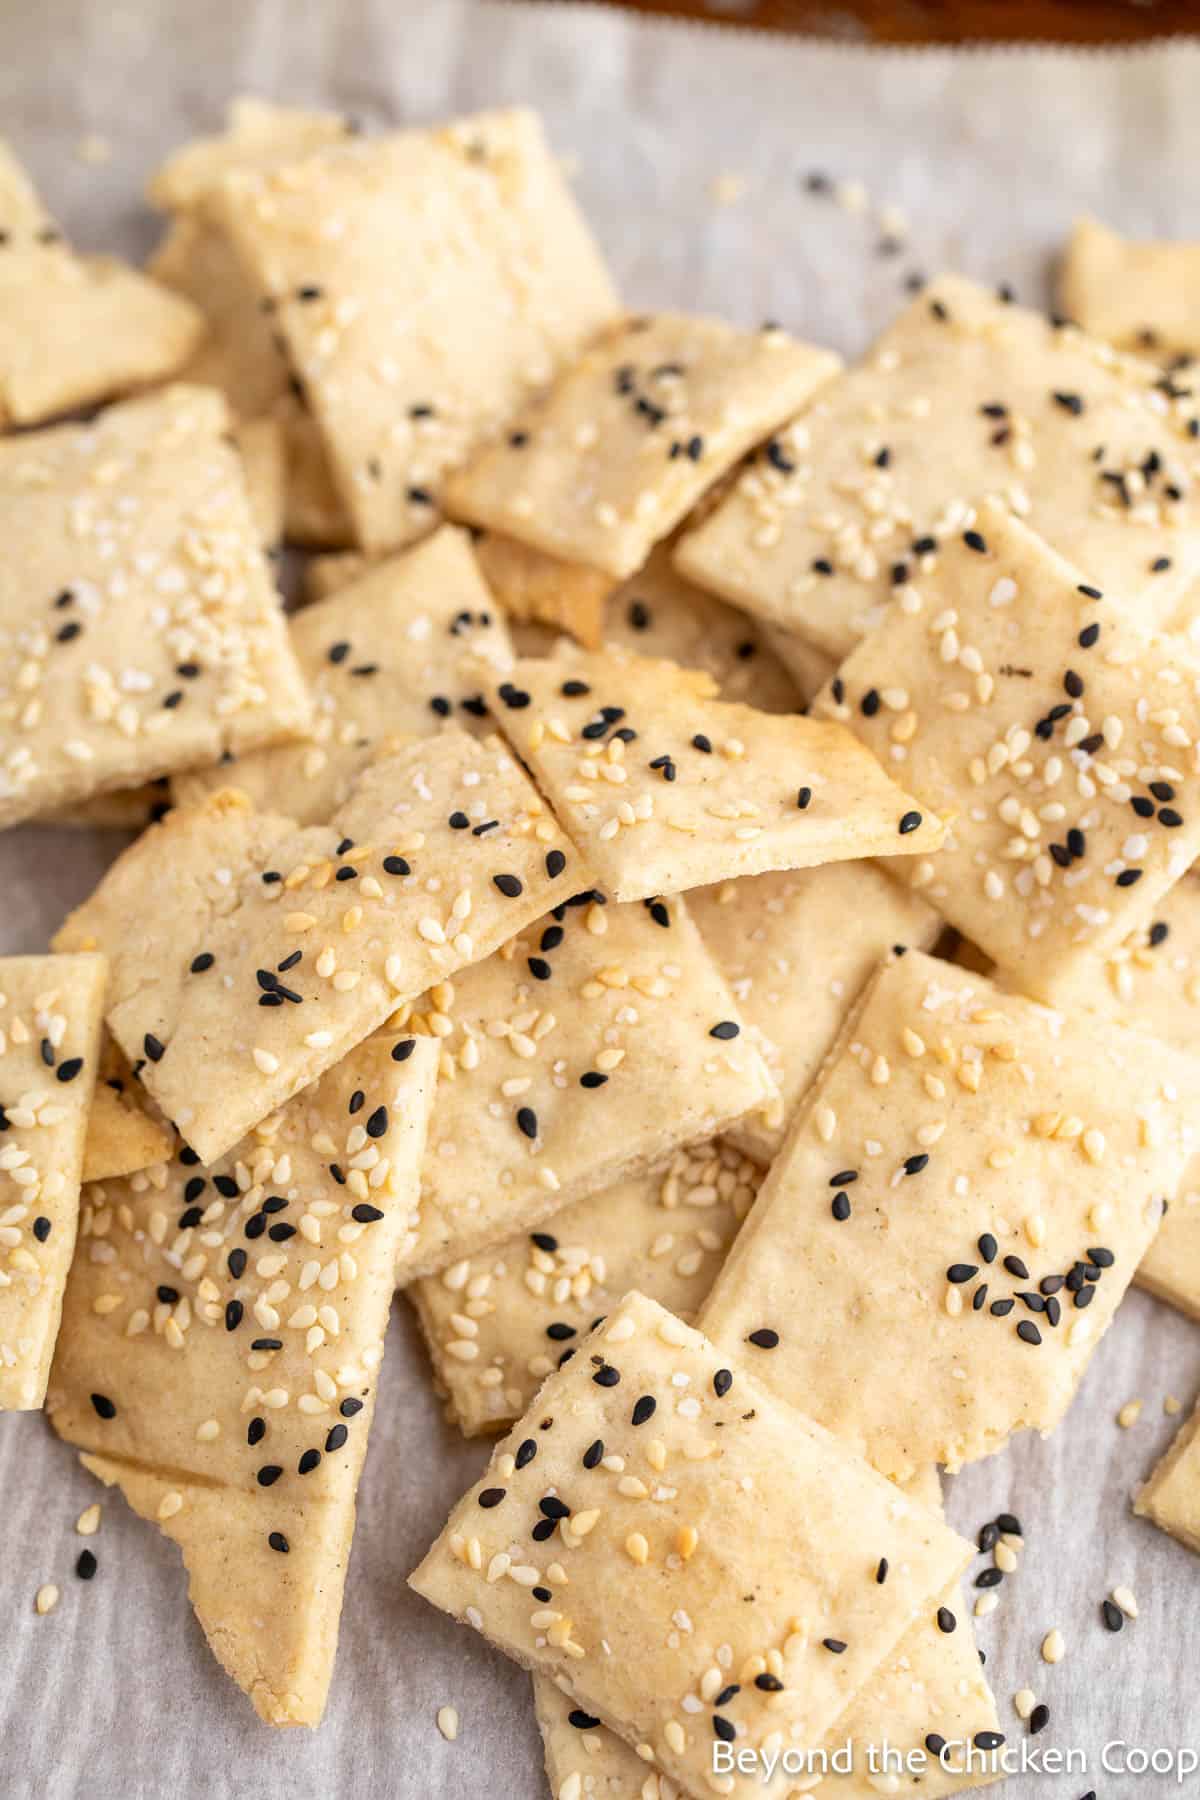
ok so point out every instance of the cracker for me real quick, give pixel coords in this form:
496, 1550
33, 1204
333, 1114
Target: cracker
586, 1051
387, 657
808, 667
618, 451
796, 948
534, 586
313, 512
1061, 738
75, 330
220, 1043
50, 1009
962, 398
1142, 296
690, 1513
124, 809
451, 276
261, 447
258, 134
222, 1336
498, 1323
1171, 1496
324, 575
239, 354
953, 1129
122, 1135
664, 788
139, 631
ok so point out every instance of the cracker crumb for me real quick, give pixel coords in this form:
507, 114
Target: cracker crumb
447, 1722
1171, 1406
1129, 1414
88, 1522
46, 1599
1053, 1647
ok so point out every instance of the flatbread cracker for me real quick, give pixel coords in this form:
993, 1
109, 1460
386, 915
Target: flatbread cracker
796, 948
314, 515
139, 630
663, 788
267, 953
534, 586
615, 455
1142, 296
50, 1010
122, 1135
1170, 1498
389, 657
75, 330
257, 134
964, 397
459, 278
584, 1052
498, 1323
1063, 740
222, 1336
261, 447
968, 1168
664, 1482
239, 354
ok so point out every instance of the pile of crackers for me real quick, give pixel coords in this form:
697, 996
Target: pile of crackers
698, 895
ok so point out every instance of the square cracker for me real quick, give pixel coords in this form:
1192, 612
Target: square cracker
663, 1492
1171, 1496
1065, 742
122, 1134
664, 788
268, 953
584, 1052
423, 284
964, 397
222, 1335
50, 1010
968, 1168
139, 630
1141, 295
496, 1324
796, 948
75, 330
387, 657
615, 454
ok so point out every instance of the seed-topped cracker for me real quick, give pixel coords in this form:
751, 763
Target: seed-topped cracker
123, 1136
796, 948
139, 629
1065, 742
75, 330
50, 1010
964, 1198
654, 1482
583, 1052
250, 954
1171, 1496
222, 1337
385, 658
966, 396
1142, 295
617, 452
422, 286
663, 787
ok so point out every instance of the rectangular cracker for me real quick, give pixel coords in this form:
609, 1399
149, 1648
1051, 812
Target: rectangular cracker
453, 853
139, 629
1144, 296
664, 788
585, 1051
497, 1323
451, 275
75, 330
1170, 1498
388, 657
733, 1512
50, 1011
1060, 737
965, 396
222, 1336
616, 453
796, 948
953, 1129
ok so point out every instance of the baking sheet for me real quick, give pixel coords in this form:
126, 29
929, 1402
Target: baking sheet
689, 148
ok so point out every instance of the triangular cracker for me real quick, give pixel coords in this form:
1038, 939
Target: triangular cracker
1142, 295
222, 1337
50, 1010
664, 788
965, 396
1171, 1496
1063, 740
584, 1052
618, 451
122, 1136
963, 1200
268, 953
385, 658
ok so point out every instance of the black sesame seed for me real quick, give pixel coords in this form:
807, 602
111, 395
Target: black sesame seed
365, 1214
492, 1497
724, 1728
606, 1376
644, 1409
41, 1228
1028, 1332
1016, 1267
68, 1070
989, 1578
881, 1570
348, 1408
256, 1431
403, 1050
722, 1382
909, 822
593, 1454
725, 1029
86, 1565
527, 1121
1114, 1618
336, 1437
581, 1720
103, 1406
509, 885
803, 798
233, 1314
914, 1164
1039, 1718
308, 1462
764, 1338
946, 1621
544, 1241
987, 1247
556, 862
835, 1645
278, 1542
975, 540
377, 1124
269, 1474
153, 1047
840, 1207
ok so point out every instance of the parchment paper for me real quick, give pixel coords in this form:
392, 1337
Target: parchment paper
991, 154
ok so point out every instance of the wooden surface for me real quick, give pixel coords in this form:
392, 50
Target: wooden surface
947, 21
